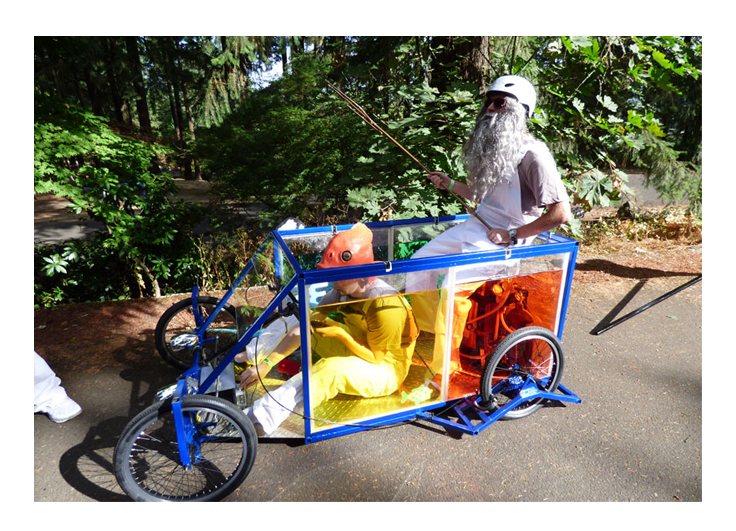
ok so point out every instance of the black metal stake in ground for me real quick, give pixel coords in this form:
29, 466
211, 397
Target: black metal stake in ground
649, 305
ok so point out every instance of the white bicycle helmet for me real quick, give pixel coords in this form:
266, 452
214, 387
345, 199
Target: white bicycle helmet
518, 87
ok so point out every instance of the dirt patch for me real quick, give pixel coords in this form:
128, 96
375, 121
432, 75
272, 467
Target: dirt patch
76, 334
662, 245
640, 261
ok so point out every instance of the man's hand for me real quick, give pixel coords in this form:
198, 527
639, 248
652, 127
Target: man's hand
250, 376
439, 179
498, 236
443, 182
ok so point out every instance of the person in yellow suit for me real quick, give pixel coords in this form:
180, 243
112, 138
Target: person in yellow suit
363, 331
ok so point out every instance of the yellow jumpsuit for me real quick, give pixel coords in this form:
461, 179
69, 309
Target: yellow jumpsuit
384, 325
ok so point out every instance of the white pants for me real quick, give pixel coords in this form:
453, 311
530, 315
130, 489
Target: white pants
331, 376
274, 408
467, 237
47, 389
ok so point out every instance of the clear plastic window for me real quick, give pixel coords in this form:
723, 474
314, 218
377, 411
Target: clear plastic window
368, 358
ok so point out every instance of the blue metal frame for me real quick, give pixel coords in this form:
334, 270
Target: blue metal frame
303, 279
530, 392
240, 345
180, 424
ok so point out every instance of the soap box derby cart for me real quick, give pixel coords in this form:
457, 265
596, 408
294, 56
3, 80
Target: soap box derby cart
490, 351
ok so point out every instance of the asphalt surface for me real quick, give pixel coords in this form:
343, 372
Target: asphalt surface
636, 437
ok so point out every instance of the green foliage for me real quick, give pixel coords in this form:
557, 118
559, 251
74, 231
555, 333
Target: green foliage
90, 273
221, 256
290, 147
55, 264
599, 189
433, 128
109, 177
605, 104
610, 102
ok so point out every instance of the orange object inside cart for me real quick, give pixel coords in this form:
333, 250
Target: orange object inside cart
486, 312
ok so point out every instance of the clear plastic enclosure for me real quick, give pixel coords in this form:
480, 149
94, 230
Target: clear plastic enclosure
425, 332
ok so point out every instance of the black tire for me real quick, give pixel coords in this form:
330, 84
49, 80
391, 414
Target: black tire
530, 351
222, 448
179, 319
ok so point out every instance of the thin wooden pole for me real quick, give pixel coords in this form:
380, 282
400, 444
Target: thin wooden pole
357, 109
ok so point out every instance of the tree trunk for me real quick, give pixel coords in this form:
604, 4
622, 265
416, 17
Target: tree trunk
174, 114
227, 69
144, 117
114, 76
188, 159
197, 170
175, 83
93, 94
476, 65
153, 281
470, 57
284, 54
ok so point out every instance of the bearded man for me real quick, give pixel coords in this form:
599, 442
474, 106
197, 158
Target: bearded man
514, 179
511, 175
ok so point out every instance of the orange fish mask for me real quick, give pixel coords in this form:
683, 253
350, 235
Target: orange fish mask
351, 247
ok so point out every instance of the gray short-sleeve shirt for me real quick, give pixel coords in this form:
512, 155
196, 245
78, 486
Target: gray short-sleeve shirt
539, 180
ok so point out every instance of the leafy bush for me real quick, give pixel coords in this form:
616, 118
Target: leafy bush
433, 128
289, 147
608, 103
110, 178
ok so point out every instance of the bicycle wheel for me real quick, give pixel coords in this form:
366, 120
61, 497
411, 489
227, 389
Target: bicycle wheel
528, 352
222, 448
178, 321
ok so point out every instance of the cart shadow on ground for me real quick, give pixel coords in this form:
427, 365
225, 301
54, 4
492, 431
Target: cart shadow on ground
624, 271
616, 310
88, 466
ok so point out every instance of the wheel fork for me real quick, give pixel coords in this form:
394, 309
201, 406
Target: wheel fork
184, 428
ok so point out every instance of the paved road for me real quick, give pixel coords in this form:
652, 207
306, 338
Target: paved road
637, 436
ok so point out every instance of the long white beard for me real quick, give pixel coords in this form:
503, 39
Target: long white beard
492, 149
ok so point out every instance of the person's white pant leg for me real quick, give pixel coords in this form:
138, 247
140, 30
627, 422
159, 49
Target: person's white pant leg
47, 389
274, 408
445, 243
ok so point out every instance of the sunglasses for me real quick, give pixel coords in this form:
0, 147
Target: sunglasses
495, 100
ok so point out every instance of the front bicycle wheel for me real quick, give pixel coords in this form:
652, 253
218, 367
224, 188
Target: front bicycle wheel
221, 442
531, 352
175, 339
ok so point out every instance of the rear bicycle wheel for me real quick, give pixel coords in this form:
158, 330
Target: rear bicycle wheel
528, 352
220, 439
178, 324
